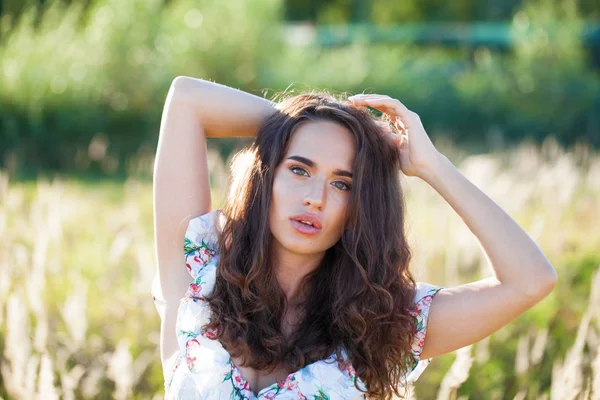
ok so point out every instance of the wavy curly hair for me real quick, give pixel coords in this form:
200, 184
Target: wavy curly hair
360, 296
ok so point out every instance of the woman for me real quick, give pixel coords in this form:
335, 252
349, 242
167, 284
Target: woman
300, 287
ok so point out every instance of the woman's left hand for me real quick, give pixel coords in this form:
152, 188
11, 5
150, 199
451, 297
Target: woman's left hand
418, 156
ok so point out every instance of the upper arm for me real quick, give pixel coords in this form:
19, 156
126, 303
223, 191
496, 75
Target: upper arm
181, 188
465, 314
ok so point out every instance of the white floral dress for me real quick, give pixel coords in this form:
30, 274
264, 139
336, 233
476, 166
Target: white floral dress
204, 369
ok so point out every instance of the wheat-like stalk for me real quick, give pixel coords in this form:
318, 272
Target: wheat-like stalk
568, 381
457, 375
45, 388
120, 370
522, 356
18, 366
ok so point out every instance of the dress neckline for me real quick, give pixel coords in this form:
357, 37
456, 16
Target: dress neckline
278, 384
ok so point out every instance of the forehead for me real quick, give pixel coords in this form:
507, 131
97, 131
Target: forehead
325, 143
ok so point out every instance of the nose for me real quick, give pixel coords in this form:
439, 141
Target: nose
315, 195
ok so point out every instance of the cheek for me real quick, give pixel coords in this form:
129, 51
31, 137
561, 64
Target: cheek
285, 190
339, 210
280, 197
278, 191
342, 220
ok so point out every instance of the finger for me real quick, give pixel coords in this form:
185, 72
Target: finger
362, 98
374, 103
388, 104
392, 107
377, 102
369, 95
398, 123
403, 140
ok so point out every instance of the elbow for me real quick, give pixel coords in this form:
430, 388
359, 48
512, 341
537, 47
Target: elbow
180, 81
178, 85
185, 89
552, 279
544, 284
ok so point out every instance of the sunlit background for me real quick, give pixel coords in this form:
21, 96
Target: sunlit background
509, 90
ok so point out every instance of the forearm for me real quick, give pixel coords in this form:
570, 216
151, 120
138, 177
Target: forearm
222, 110
514, 257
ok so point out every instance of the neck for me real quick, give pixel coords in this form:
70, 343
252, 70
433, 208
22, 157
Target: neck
291, 268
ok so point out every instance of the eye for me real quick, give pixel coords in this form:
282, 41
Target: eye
295, 168
343, 186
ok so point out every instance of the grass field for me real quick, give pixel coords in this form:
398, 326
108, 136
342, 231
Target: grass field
77, 261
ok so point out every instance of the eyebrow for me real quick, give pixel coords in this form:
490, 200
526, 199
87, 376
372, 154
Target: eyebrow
312, 164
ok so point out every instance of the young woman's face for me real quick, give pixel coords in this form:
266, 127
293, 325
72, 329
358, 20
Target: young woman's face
313, 180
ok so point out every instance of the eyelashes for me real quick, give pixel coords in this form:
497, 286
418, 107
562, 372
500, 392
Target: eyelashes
295, 167
343, 186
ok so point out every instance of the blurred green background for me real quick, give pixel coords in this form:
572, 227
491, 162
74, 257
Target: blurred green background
509, 90
83, 83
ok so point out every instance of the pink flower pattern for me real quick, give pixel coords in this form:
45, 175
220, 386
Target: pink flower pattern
191, 348
420, 315
209, 333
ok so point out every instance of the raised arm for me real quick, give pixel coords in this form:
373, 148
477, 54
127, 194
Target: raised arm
467, 313
194, 109
523, 276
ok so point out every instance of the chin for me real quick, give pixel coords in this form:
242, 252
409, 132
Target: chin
305, 248
303, 245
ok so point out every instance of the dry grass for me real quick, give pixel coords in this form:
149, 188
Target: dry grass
77, 259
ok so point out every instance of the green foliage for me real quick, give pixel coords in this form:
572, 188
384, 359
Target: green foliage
104, 72
545, 88
83, 87
383, 12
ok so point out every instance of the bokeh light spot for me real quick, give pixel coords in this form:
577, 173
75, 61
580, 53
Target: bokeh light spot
97, 147
58, 84
10, 68
118, 101
77, 72
193, 18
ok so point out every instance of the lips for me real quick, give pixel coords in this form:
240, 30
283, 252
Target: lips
304, 228
314, 220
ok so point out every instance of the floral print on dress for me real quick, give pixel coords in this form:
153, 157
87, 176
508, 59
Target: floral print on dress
197, 256
424, 295
204, 369
191, 351
240, 387
347, 368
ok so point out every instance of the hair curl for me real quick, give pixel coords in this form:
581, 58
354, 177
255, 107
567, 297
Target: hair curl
361, 293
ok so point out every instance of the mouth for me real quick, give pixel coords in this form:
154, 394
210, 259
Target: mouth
307, 224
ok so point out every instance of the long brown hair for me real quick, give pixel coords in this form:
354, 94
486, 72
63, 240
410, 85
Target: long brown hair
359, 297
